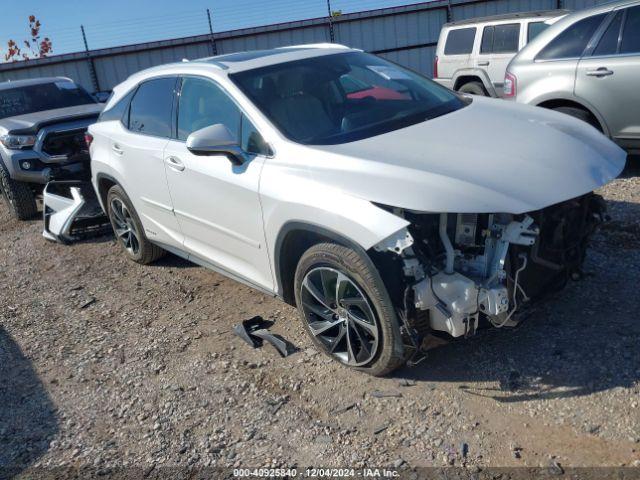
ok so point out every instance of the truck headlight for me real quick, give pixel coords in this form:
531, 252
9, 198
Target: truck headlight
17, 142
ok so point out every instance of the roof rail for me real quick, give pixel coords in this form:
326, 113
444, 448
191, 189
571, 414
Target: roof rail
316, 45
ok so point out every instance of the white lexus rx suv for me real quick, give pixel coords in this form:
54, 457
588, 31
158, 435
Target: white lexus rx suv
383, 205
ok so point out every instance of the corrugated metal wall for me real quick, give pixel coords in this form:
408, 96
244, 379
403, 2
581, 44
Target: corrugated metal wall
406, 34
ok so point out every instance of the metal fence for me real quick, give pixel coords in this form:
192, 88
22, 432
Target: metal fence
405, 34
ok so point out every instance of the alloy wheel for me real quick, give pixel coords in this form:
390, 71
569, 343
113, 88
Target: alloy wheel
125, 227
340, 316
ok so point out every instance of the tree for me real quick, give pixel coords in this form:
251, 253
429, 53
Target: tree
37, 47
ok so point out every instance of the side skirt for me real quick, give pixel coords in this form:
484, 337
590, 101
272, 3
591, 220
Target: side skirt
216, 268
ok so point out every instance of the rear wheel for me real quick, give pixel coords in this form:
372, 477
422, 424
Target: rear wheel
580, 114
346, 310
128, 228
18, 196
474, 88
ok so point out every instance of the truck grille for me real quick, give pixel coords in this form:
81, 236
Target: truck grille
69, 144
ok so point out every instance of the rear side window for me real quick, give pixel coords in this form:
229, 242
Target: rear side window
460, 41
500, 38
608, 44
151, 107
631, 33
118, 110
572, 41
534, 29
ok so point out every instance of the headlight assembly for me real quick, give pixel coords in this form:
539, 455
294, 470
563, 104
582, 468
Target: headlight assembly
17, 142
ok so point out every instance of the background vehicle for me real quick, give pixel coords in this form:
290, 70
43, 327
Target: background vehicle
587, 65
42, 126
260, 165
472, 55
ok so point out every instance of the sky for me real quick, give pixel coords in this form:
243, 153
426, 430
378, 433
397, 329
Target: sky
111, 23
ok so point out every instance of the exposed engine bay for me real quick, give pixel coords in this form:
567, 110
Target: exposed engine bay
461, 271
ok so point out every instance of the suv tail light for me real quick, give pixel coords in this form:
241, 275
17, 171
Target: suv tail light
435, 67
509, 89
88, 138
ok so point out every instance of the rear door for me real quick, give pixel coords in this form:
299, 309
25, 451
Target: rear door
498, 45
137, 149
608, 76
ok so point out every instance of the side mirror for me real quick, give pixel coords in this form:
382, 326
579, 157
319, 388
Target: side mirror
216, 140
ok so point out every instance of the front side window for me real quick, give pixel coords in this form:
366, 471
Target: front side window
631, 33
460, 41
151, 107
202, 104
307, 99
41, 97
534, 29
572, 42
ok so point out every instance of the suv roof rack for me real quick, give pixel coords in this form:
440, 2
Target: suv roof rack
509, 16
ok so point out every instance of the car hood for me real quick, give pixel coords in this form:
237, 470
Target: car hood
490, 156
32, 122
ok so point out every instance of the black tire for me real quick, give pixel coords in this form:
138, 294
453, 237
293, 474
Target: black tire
389, 352
474, 88
580, 114
146, 252
18, 196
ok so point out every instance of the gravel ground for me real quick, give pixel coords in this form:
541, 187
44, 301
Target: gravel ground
105, 363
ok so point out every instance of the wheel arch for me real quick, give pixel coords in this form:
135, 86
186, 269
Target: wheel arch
471, 75
295, 238
551, 103
103, 183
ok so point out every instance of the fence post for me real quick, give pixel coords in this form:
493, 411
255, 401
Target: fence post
332, 35
450, 11
92, 67
559, 4
214, 47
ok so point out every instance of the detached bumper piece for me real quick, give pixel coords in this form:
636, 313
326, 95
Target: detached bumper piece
72, 212
255, 331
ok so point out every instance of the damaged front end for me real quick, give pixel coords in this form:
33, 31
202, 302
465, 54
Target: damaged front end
71, 212
460, 271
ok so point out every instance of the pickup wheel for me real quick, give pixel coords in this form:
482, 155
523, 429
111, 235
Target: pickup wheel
18, 196
128, 229
346, 310
474, 88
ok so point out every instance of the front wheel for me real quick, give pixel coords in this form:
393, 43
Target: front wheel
346, 310
18, 196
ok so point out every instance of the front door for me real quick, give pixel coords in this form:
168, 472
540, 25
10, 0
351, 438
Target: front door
609, 77
216, 201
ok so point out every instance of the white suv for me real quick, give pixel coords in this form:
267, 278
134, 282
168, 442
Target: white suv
338, 181
472, 55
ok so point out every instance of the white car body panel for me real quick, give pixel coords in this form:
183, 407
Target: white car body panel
499, 166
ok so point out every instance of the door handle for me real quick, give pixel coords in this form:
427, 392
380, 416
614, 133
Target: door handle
483, 64
174, 163
600, 72
116, 148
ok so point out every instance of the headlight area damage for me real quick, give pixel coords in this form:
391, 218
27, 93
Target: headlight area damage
462, 271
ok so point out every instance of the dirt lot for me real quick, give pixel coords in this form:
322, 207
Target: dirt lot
106, 363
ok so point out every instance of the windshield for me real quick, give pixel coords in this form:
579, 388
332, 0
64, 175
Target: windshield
44, 96
343, 97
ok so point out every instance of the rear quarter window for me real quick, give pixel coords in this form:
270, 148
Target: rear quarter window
534, 29
460, 41
572, 42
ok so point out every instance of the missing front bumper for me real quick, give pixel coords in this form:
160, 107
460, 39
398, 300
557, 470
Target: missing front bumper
72, 212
